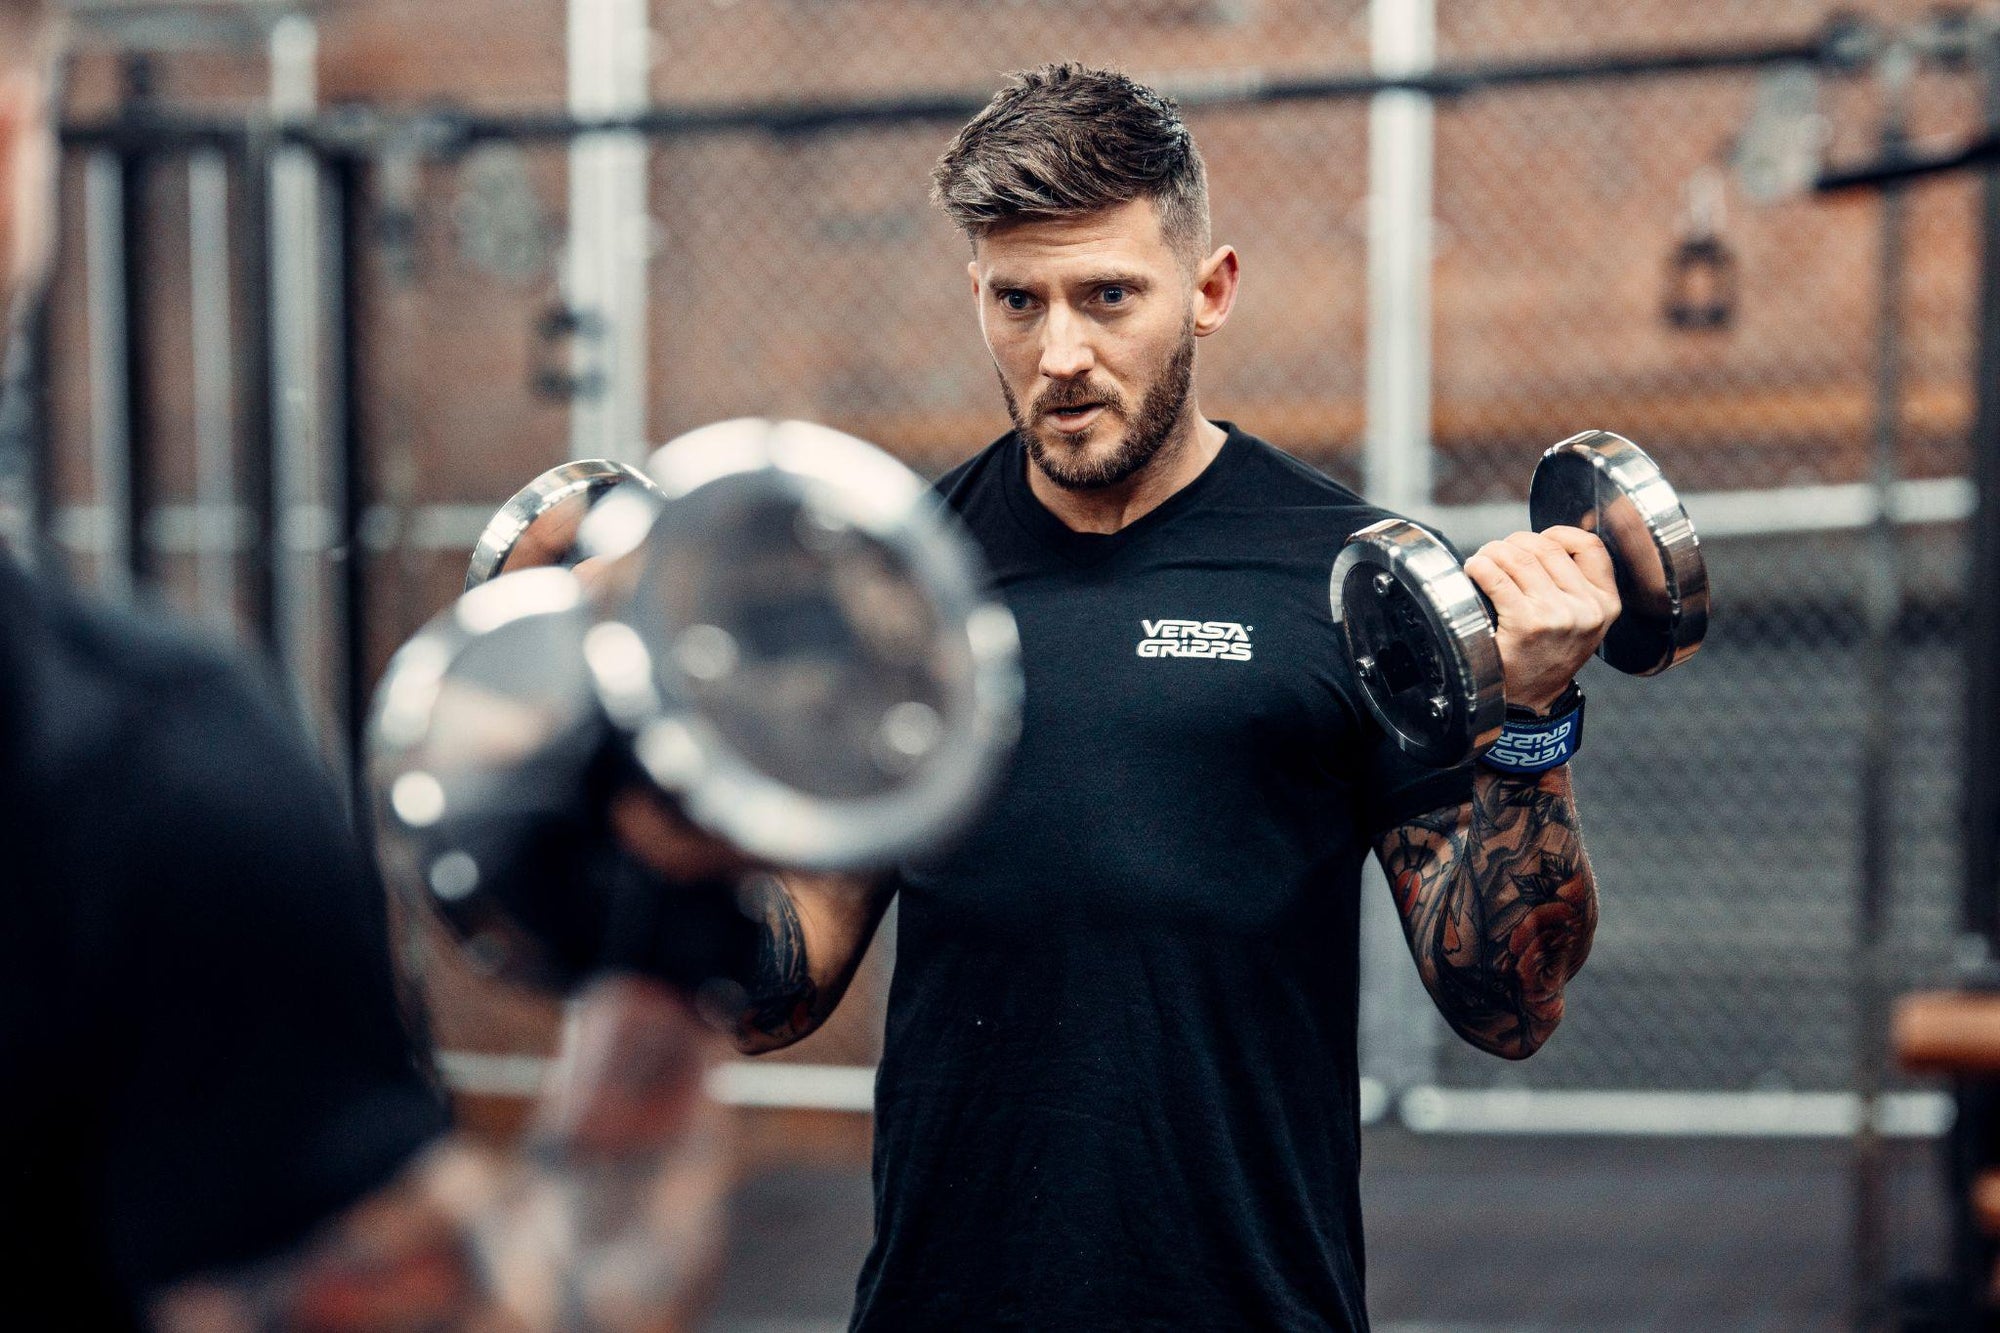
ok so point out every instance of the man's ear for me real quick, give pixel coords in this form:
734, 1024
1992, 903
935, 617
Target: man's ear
1215, 286
972, 272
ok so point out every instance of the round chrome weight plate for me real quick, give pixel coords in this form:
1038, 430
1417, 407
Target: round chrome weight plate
1421, 641
1604, 483
483, 728
811, 660
541, 523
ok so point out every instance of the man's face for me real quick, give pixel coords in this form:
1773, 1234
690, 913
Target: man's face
1091, 322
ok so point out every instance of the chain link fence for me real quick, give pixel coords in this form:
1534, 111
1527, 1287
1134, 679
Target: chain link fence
1721, 803
806, 274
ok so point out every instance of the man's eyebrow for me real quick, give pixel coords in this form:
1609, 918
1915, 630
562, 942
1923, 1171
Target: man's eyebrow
1111, 278
1002, 281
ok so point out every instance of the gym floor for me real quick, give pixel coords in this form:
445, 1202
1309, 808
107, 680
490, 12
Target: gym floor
1478, 1235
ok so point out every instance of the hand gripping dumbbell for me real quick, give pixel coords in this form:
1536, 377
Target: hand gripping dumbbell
1421, 635
794, 647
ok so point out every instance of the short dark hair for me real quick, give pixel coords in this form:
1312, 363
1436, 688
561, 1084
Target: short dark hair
1065, 139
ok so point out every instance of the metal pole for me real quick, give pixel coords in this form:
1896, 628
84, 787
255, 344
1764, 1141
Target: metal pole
348, 214
1843, 46
1399, 1031
135, 184
1980, 894
1882, 609
1401, 134
1966, 1150
256, 376
214, 390
110, 424
134, 178
298, 461
605, 270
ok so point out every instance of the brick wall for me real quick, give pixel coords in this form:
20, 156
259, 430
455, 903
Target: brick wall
808, 276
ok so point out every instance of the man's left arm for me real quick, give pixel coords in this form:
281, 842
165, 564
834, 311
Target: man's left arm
1499, 905
1497, 897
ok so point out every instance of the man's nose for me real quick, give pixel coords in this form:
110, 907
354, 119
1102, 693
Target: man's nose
1066, 351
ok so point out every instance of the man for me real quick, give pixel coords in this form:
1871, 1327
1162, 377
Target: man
213, 1116
1119, 1089
196, 985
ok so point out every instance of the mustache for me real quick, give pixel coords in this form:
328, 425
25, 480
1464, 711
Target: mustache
1073, 394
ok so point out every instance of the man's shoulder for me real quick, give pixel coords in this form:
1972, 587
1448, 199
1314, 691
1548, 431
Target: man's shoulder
135, 712
1285, 489
165, 786
976, 475
83, 669
1289, 479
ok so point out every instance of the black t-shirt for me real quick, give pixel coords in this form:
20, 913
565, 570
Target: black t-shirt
1119, 1089
200, 1051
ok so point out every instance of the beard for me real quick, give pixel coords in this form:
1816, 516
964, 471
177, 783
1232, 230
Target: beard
1147, 431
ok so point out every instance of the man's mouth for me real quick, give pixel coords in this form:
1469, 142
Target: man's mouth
1074, 417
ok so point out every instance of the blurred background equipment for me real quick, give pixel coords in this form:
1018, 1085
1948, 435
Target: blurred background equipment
1701, 275
286, 374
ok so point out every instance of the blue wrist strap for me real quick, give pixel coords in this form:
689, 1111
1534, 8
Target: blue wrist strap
1536, 745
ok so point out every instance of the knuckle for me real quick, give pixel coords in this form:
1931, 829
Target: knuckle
1536, 619
1485, 568
1570, 535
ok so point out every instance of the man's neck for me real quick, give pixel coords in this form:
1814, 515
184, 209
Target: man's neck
1107, 509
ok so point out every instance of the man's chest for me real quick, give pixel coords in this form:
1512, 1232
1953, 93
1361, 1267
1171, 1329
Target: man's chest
1172, 761
1208, 660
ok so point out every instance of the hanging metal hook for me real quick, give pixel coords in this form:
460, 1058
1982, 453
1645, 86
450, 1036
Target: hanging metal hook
1702, 271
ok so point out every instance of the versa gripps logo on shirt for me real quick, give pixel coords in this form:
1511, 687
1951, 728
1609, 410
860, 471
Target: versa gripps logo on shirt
1217, 640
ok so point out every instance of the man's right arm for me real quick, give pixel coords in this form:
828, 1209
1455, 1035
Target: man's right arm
609, 1217
815, 927
816, 931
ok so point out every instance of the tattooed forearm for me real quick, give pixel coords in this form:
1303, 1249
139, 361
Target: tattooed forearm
606, 1219
816, 929
1499, 905
783, 998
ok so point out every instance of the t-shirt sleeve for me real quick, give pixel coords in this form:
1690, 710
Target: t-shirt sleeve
259, 1075
1400, 788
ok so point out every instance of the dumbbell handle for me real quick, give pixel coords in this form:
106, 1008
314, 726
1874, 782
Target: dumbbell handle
515, 530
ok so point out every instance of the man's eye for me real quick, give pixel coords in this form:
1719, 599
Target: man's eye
1113, 295
1015, 301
